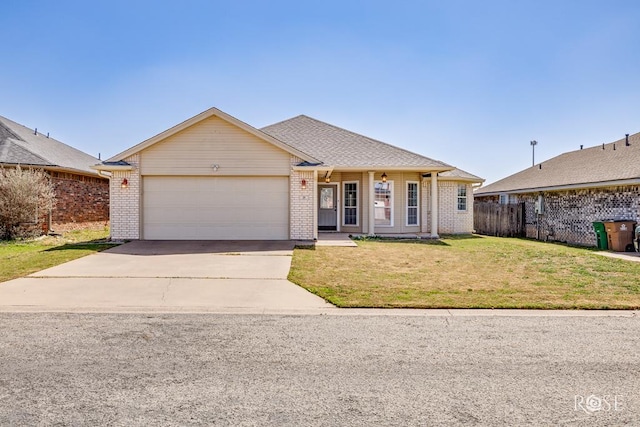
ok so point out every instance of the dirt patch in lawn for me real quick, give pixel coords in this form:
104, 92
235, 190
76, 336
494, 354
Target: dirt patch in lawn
475, 272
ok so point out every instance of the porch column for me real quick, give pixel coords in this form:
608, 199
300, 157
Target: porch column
434, 205
372, 210
314, 185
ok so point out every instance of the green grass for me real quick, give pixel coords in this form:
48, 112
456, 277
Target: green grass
471, 272
23, 257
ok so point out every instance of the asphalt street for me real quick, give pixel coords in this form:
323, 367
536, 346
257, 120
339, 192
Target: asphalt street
324, 370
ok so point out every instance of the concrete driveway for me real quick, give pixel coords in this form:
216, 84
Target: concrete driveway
230, 276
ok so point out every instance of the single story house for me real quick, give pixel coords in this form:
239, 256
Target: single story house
563, 196
216, 177
82, 194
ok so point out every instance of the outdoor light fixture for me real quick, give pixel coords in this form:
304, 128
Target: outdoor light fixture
384, 177
327, 178
124, 183
304, 184
215, 167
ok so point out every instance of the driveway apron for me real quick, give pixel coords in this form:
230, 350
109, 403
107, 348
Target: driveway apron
173, 275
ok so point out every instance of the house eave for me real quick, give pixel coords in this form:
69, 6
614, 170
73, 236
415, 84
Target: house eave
421, 169
601, 184
461, 179
111, 168
52, 168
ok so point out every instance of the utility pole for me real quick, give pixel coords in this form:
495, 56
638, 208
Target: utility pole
533, 152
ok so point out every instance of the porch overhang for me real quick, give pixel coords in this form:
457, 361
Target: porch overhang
113, 166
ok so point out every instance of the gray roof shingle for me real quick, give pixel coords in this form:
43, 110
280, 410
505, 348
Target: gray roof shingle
588, 166
21, 145
339, 147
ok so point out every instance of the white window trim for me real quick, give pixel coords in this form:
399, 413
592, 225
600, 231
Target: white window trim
466, 197
393, 196
344, 206
417, 206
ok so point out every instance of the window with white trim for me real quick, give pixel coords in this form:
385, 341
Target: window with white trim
412, 203
350, 204
462, 197
383, 204
506, 199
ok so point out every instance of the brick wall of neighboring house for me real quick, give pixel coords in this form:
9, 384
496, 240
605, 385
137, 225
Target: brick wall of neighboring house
79, 198
569, 215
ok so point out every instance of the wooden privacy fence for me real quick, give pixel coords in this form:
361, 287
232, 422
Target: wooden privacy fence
493, 219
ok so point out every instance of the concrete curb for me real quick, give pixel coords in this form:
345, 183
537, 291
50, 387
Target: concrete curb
327, 311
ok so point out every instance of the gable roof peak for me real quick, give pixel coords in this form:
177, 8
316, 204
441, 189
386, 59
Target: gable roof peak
211, 112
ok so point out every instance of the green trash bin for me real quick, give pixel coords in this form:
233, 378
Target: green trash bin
601, 235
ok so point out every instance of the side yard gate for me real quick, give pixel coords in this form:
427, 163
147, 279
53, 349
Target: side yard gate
493, 219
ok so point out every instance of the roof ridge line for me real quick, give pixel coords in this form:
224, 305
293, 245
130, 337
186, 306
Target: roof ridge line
41, 135
285, 120
597, 146
367, 137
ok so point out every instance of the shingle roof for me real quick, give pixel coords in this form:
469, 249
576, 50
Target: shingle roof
460, 174
339, 147
21, 145
600, 164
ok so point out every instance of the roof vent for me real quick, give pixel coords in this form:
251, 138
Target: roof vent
581, 146
35, 132
626, 139
540, 166
614, 146
603, 146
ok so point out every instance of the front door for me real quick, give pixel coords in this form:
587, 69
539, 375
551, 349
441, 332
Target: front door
327, 208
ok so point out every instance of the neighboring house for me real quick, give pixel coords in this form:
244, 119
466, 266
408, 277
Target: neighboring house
215, 177
564, 195
82, 195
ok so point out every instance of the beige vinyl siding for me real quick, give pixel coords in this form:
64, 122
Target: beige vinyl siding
194, 150
399, 201
335, 177
215, 208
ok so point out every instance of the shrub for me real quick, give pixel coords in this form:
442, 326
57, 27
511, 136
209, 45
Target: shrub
25, 196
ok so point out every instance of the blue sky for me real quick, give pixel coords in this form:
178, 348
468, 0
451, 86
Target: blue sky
466, 82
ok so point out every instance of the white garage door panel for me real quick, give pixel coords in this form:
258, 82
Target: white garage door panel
216, 208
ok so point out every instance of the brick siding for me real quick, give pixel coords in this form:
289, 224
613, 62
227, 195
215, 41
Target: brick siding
301, 204
125, 202
79, 198
450, 219
569, 215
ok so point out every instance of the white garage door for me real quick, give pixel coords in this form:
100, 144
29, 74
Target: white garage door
215, 208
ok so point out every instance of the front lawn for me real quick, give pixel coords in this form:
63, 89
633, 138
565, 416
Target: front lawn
467, 272
21, 258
